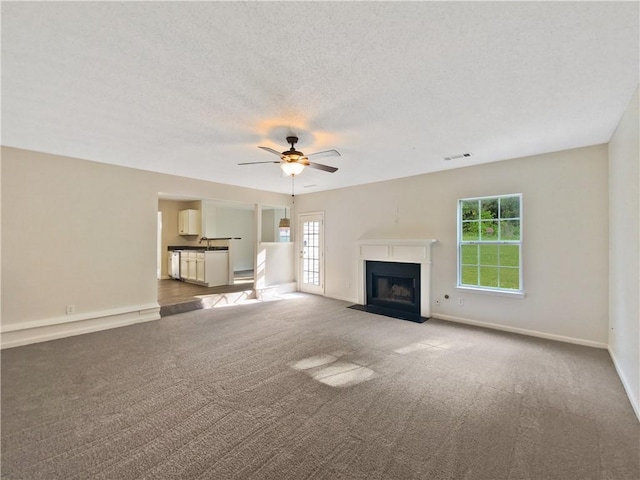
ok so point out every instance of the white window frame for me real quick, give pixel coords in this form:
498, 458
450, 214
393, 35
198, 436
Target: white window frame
485, 289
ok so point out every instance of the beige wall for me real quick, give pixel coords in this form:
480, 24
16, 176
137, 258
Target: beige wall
269, 226
565, 209
624, 257
85, 233
238, 223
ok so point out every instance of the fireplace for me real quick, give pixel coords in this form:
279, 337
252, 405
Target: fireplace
401, 286
393, 288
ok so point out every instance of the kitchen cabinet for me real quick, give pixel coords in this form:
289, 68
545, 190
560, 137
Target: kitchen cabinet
192, 267
200, 267
217, 267
189, 222
205, 267
184, 265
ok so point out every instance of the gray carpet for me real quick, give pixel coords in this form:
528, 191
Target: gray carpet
306, 388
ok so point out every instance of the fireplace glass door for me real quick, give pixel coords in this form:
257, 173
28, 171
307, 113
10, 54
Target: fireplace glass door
393, 288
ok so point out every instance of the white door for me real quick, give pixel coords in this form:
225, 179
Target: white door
311, 243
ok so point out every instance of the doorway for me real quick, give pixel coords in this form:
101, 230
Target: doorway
311, 243
159, 248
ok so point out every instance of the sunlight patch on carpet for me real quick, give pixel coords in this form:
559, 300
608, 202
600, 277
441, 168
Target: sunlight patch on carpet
312, 362
328, 370
413, 347
348, 378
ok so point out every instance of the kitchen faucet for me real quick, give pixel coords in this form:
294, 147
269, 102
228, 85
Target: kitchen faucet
208, 240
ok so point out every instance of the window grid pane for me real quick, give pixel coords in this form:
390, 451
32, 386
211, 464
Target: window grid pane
490, 242
311, 253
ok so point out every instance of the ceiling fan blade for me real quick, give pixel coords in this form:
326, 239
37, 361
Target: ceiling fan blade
326, 153
319, 166
271, 150
255, 163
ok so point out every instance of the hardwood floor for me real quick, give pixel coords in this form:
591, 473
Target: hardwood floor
171, 292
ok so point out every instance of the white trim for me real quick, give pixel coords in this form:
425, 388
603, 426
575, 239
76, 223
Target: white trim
345, 299
498, 293
522, 331
306, 287
279, 289
15, 335
461, 243
635, 402
389, 241
78, 317
401, 251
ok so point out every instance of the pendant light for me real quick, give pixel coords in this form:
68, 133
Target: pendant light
285, 222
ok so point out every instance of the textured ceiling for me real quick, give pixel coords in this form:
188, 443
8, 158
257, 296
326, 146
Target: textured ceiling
192, 88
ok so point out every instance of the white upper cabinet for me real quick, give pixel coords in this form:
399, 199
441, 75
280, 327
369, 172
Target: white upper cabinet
189, 222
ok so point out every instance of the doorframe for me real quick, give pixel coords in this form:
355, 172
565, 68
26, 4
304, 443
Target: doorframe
160, 253
318, 290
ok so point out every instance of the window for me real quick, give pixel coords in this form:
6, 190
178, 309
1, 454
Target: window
490, 243
284, 234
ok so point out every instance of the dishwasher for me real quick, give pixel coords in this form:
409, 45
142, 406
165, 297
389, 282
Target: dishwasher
174, 268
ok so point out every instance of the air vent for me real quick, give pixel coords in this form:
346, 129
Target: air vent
456, 157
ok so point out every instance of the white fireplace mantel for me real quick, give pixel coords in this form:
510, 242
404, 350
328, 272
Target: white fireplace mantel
398, 250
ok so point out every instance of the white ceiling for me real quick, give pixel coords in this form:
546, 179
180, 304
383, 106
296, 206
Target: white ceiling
192, 88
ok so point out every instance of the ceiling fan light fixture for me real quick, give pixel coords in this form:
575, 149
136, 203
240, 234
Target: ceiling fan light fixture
292, 168
292, 162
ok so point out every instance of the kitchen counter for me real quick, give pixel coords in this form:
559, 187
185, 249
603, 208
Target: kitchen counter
194, 248
206, 264
223, 244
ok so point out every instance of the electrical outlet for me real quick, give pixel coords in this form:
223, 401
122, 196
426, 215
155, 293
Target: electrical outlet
460, 301
71, 309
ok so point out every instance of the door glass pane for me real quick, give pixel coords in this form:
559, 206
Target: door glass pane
311, 253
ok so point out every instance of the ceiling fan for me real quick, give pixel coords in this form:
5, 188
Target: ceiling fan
293, 162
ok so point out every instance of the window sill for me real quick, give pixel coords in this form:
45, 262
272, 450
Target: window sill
497, 293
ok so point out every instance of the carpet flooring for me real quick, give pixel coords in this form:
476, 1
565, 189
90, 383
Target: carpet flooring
305, 388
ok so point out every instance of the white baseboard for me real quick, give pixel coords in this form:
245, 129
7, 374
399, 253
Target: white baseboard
635, 402
15, 335
345, 299
279, 289
521, 331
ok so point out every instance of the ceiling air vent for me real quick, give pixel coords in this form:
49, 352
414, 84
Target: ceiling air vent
456, 157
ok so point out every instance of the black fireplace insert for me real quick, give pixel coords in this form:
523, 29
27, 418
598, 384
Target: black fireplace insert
393, 289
